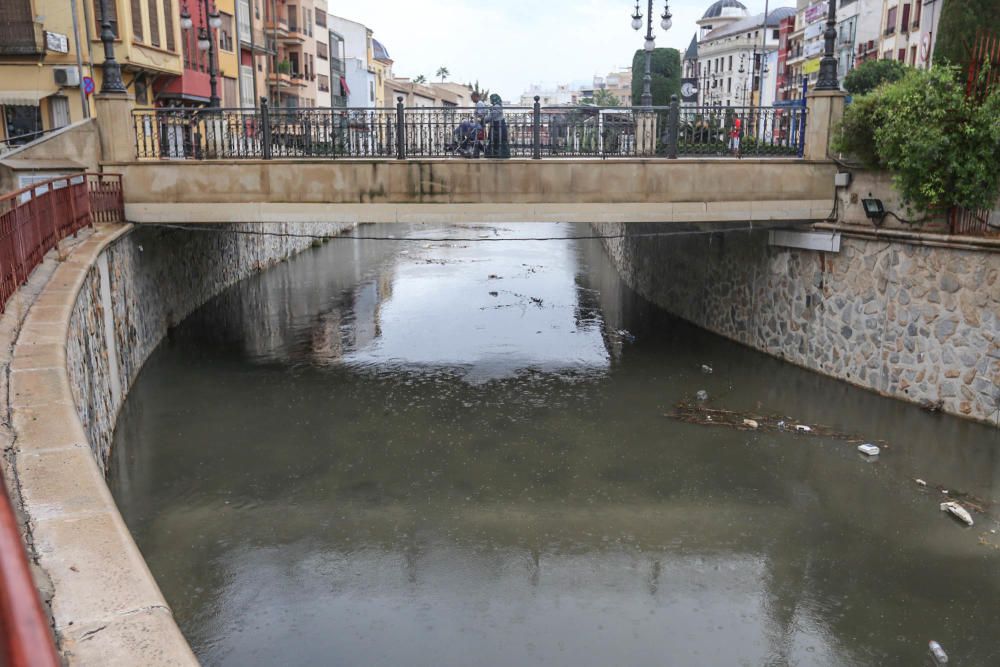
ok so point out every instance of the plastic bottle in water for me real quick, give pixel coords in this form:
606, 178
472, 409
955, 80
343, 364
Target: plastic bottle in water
940, 657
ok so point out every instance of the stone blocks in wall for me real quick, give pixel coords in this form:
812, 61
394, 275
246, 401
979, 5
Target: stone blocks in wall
913, 322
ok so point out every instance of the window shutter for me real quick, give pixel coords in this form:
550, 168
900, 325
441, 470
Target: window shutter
137, 21
168, 24
154, 23
113, 15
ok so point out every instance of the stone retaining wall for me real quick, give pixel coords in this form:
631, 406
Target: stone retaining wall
81, 345
917, 323
145, 283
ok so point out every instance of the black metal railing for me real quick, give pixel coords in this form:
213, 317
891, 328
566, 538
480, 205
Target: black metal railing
433, 132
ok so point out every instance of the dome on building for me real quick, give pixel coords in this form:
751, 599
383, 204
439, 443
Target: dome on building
379, 51
725, 9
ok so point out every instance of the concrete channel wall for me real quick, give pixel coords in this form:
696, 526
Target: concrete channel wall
902, 317
80, 347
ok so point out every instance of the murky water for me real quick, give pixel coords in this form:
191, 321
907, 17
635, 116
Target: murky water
426, 453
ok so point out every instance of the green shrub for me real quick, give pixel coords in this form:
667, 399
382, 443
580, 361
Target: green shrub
871, 74
942, 148
665, 68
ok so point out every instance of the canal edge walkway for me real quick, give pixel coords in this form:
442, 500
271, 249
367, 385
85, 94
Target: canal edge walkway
105, 605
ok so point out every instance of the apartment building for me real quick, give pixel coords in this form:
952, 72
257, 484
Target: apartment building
48, 49
909, 31
291, 28
358, 52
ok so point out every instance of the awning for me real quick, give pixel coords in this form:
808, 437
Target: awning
27, 98
344, 88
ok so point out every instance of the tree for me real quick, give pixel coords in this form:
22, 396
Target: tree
665, 67
871, 74
942, 148
442, 73
960, 20
484, 93
605, 98
420, 79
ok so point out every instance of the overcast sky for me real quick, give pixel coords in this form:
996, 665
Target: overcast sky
509, 44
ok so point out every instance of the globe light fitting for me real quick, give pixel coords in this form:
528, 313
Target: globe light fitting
666, 23
637, 17
203, 42
649, 45
214, 19
186, 21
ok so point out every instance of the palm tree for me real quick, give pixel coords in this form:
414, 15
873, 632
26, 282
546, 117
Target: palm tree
420, 79
484, 93
442, 73
605, 98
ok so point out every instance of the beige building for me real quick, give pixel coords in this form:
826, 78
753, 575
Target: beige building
43, 59
909, 31
292, 27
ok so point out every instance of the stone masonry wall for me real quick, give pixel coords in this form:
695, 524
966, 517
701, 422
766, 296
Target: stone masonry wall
144, 283
918, 323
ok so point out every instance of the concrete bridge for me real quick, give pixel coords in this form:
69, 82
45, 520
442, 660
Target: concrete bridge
450, 190
445, 190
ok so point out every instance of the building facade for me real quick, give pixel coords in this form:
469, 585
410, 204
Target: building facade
358, 53
737, 55
291, 28
48, 47
909, 31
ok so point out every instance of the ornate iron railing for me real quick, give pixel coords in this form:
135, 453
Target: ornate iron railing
434, 132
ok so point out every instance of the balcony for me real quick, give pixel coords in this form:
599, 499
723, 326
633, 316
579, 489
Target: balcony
259, 42
294, 35
279, 27
280, 79
21, 38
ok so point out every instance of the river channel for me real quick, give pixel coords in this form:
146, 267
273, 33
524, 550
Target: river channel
426, 452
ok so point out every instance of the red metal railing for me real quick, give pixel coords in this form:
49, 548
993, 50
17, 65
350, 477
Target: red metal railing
25, 637
34, 219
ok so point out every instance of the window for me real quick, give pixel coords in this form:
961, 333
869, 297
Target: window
321, 51
913, 56
901, 56
321, 18
112, 10
336, 52
371, 91
730, 63
916, 14
136, 9
775, 34
226, 32
906, 18
243, 20
154, 23
308, 20
230, 96
59, 111
729, 85
293, 18
247, 92
890, 21
323, 83
168, 24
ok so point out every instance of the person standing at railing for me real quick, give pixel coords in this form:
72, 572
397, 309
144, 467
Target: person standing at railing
498, 143
734, 136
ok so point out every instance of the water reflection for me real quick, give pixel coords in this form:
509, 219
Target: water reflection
457, 455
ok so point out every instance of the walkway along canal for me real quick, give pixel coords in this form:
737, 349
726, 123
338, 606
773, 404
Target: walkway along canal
456, 452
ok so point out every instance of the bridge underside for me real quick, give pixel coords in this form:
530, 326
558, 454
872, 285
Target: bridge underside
455, 191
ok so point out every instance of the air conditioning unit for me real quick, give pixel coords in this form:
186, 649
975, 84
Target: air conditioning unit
67, 76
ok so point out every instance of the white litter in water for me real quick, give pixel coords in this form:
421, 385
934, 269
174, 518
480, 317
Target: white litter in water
920, 482
706, 369
868, 449
702, 395
751, 423
804, 429
940, 657
957, 511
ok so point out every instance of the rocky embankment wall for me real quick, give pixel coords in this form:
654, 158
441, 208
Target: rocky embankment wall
916, 322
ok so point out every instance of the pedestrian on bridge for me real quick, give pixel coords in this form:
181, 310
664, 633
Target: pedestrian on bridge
498, 143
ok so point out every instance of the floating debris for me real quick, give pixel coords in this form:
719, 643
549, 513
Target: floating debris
868, 449
920, 482
624, 333
706, 369
957, 511
702, 395
494, 276
803, 429
494, 293
752, 423
940, 657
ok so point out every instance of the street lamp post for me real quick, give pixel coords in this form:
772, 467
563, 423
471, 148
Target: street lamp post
666, 21
111, 82
206, 42
828, 65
